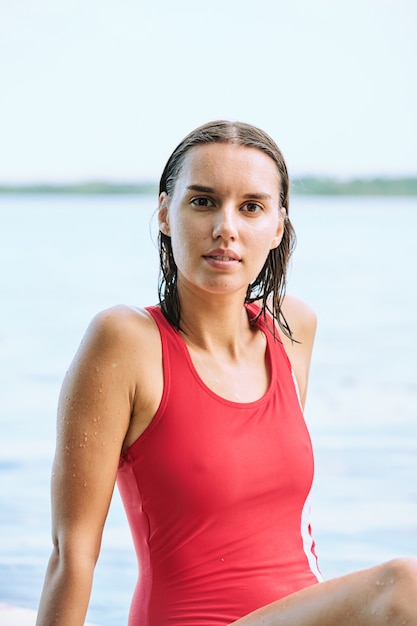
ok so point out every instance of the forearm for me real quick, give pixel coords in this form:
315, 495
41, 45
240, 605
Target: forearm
66, 591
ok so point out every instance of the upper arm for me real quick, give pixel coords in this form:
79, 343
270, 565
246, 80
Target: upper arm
93, 417
303, 323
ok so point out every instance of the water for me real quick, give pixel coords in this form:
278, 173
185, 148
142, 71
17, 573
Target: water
64, 258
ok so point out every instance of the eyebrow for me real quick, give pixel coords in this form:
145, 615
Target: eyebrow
254, 196
201, 188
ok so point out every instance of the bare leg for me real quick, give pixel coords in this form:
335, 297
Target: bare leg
385, 595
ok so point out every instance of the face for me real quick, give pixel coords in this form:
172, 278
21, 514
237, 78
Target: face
223, 217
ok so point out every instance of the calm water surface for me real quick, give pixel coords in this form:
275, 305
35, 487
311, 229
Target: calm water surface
63, 259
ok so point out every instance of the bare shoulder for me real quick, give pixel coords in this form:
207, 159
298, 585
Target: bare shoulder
121, 330
301, 318
303, 323
120, 322
121, 343
119, 362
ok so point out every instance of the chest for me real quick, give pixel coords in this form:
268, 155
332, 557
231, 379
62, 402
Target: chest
209, 454
242, 379
219, 444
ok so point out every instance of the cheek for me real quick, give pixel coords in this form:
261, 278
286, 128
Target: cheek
186, 232
263, 240
183, 240
259, 249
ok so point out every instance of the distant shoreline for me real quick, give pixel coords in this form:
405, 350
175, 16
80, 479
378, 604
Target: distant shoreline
311, 186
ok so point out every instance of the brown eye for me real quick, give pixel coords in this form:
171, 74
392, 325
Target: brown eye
252, 207
201, 201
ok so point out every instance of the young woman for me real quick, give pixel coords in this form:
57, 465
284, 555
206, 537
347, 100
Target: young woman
196, 407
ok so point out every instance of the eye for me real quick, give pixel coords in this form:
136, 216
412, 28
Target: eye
201, 201
252, 207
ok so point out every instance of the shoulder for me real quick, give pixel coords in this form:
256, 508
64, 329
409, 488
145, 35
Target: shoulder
121, 318
120, 353
121, 324
303, 323
127, 352
122, 337
301, 318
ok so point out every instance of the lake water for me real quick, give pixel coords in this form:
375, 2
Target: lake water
64, 258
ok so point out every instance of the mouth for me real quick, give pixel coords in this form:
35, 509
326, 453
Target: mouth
222, 260
223, 256
217, 257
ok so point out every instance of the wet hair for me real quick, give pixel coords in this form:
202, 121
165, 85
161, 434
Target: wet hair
269, 286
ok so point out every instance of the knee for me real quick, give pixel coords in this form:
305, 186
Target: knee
396, 591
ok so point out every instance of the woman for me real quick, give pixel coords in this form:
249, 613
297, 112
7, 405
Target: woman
196, 407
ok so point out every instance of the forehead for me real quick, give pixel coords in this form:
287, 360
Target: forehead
228, 163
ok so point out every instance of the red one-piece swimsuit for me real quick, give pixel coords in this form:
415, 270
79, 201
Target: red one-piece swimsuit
217, 495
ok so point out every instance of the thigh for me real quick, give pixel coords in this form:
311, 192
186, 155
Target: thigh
377, 596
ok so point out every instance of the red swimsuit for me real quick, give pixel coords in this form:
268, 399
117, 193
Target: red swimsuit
216, 493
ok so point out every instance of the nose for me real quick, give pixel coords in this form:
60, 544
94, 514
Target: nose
225, 224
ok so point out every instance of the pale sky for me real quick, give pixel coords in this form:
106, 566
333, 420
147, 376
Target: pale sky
105, 89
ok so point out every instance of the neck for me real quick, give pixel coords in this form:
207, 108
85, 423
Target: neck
214, 323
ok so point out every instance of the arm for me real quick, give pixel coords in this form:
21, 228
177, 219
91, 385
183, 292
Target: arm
93, 417
303, 323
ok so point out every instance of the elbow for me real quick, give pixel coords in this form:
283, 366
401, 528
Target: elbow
75, 552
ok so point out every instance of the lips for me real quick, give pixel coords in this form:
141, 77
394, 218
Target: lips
220, 258
222, 255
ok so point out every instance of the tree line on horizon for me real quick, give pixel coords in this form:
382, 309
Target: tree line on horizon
308, 185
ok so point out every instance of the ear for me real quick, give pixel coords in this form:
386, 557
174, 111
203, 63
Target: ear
280, 229
163, 214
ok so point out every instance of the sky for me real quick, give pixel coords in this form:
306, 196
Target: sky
106, 89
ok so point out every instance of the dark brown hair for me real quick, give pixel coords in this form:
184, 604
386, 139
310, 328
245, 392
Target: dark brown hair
271, 281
